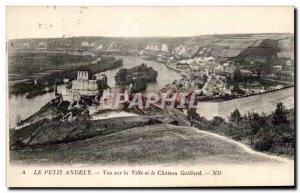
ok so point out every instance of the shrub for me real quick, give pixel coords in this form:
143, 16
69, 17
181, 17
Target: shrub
235, 116
263, 144
280, 115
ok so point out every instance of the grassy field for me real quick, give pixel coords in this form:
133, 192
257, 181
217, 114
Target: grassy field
152, 144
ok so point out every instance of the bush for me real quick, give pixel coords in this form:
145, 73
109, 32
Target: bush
235, 116
263, 144
280, 115
273, 133
218, 121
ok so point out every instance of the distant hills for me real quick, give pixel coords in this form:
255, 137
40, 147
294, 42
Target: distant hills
221, 47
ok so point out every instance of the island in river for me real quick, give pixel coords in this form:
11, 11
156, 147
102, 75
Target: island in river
138, 77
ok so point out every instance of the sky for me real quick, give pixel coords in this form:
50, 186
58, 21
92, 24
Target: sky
50, 22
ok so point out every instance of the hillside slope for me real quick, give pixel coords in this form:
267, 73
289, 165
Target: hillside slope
152, 144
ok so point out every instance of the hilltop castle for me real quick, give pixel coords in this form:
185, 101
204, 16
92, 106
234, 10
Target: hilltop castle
84, 85
91, 87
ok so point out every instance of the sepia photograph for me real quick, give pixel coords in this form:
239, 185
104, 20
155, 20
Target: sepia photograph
150, 96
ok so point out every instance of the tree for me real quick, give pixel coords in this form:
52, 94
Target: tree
280, 115
101, 84
235, 116
261, 68
139, 85
236, 88
253, 124
237, 75
218, 121
121, 76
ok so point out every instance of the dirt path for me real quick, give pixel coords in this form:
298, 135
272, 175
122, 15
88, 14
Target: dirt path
246, 148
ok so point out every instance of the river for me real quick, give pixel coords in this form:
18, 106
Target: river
20, 107
165, 74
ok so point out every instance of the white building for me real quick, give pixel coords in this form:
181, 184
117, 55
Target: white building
157, 47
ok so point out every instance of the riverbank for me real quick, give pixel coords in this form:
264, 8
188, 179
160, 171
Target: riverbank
260, 103
167, 64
